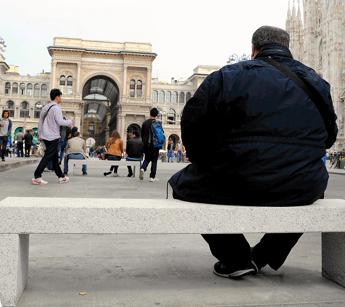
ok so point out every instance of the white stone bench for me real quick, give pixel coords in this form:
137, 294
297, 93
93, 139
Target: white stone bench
100, 164
20, 217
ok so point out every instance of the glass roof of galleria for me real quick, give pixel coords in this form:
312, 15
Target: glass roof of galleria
99, 93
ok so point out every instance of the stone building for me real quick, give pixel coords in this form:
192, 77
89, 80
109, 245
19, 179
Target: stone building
317, 32
105, 85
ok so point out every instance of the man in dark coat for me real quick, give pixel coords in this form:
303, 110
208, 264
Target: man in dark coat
268, 138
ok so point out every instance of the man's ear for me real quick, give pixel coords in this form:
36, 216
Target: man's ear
254, 52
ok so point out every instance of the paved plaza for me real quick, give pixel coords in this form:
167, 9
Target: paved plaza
154, 270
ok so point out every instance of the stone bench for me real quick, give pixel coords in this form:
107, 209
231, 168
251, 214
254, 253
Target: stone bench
20, 217
101, 164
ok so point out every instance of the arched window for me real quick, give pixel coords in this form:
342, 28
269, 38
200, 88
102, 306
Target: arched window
140, 88
10, 107
24, 109
62, 80
37, 110
69, 85
7, 88
44, 90
132, 88
168, 96
29, 89
155, 96
36, 90
188, 96
22, 89
174, 97
69, 81
15, 88
181, 97
161, 96
171, 117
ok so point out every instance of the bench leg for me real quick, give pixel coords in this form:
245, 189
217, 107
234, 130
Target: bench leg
333, 257
14, 262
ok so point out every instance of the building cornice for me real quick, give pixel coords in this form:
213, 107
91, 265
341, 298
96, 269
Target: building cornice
98, 51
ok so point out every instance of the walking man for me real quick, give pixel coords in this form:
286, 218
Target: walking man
5, 132
270, 120
150, 129
49, 132
28, 138
20, 138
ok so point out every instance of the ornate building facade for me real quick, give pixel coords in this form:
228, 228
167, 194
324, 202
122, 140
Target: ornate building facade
105, 85
317, 32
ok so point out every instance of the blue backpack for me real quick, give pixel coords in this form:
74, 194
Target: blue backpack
158, 137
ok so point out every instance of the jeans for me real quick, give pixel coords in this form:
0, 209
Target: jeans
179, 156
130, 171
170, 155
61, 149
3, 146
50, 154
114, 158
74, 156
151, 155
20, 152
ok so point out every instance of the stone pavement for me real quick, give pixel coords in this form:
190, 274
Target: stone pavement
154, 270
15, 162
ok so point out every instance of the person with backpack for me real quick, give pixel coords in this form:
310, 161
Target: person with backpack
153, 138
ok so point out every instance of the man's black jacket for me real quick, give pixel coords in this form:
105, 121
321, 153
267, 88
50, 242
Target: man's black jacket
254, 137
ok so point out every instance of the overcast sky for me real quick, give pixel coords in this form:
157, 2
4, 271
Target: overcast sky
184, 33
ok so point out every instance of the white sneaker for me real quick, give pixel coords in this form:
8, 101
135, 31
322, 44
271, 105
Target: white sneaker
141, 174
153, 179
63, 179
116, 175
38, 181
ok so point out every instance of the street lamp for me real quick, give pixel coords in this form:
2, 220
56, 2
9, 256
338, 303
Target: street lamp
235, 58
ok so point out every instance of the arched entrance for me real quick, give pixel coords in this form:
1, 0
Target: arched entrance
100, 96
134, 127
175, 138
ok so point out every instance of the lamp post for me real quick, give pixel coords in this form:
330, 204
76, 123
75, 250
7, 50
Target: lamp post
235, 58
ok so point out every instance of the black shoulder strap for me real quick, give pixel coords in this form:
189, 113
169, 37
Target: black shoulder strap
45, 115
314, 95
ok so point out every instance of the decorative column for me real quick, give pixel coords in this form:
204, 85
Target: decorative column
79, 90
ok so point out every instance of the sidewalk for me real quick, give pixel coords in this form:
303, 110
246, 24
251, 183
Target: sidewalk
11, 163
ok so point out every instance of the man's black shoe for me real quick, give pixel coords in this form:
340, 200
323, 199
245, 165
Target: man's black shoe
225, 271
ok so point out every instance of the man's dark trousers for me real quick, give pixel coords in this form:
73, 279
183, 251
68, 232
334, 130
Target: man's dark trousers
27, 150
234, 250
151, 155
50, 154
20, 152
3, 145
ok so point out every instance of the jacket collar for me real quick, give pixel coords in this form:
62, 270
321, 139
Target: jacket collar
274, 50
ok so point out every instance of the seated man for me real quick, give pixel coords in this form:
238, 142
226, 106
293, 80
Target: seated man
268, 137
75, 150
134, 150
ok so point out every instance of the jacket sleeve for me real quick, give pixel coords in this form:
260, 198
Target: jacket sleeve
196, 118
331, 125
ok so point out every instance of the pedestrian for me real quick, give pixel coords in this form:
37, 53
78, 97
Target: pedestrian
20, 144
153, 138
270, 120
114, 152
28, 138
64, 133
134, 150
179, 151
49, 132
170, 149
75, 150
5, 132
